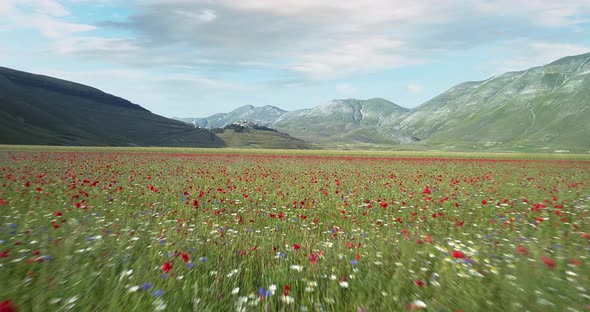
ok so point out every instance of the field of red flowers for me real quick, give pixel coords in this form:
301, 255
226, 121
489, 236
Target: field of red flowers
116, 231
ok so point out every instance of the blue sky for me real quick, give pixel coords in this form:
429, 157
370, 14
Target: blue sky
200, 57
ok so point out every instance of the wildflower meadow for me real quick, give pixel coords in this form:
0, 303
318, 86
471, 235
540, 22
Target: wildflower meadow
162, 231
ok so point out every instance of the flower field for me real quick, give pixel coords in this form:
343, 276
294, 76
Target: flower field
119, 231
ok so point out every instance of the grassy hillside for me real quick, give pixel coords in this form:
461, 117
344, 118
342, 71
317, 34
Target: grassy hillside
256, 138
36, 109
541, 108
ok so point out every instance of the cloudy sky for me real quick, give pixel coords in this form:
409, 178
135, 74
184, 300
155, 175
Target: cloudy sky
199, 57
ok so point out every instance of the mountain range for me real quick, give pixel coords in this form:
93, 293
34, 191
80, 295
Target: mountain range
542, 108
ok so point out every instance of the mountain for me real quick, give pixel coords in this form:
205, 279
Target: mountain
347, 120
542, 107
350, 120
265, 115
36, 109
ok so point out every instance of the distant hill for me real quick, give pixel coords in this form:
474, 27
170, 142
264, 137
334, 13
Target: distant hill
542, 108
251, 135
265, 115
350, 120
36, 109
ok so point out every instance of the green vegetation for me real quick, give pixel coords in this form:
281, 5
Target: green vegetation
259, 138
42, 110
139, 229
541, 108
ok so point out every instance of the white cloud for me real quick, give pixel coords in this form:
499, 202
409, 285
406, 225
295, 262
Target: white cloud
79, 45
333, 38
45, 16
519, 55
54, 29
303, 39
355, 12
345, 56
345, 88
415, 88
199, 82
204, 16
50, 7
541, 12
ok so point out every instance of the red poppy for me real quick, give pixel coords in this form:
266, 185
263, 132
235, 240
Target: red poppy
184, 257
296, 246
428, 239
419, 283
6, 306
548, 262
483, 201
426, 190
166, 267
521, 250
4, 254
575, 262
457, 254
57, 214
313, 258
1, 201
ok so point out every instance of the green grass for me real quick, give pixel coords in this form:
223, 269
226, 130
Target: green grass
262, 218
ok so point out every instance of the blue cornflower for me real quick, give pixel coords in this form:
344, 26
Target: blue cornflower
353, 262
203, 259
145, 286
263, 293
158, 293
46, 258
190, 265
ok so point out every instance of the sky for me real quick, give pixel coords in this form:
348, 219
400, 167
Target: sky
181, 58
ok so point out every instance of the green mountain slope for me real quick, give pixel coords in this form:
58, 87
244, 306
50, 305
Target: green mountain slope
544, 107
36, 109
